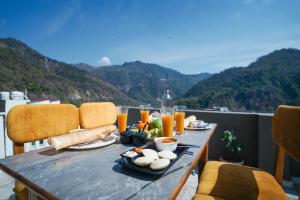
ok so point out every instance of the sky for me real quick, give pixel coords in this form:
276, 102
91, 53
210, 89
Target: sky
191, 36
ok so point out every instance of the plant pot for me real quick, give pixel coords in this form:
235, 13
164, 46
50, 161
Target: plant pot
233, 162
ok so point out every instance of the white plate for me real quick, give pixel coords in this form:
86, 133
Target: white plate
95, 144
208, 126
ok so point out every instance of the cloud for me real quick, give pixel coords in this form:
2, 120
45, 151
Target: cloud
104, 61
60, 21
210, 57
62, 18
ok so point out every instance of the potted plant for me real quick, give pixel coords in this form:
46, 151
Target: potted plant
233, 149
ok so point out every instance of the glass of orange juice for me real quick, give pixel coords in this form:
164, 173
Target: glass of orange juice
122, 118
179, 117
145, 109
167, 117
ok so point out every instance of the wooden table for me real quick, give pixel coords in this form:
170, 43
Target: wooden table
96, 174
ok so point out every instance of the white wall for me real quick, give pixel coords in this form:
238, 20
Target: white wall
40, 102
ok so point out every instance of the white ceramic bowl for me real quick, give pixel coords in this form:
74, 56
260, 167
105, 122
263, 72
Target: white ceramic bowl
161, 146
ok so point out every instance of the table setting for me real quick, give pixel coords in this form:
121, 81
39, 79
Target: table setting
157, 147
159, 133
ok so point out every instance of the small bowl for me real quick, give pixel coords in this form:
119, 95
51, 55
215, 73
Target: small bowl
161, 146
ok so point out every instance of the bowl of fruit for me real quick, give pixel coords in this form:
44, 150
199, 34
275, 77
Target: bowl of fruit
152, 129
138, 134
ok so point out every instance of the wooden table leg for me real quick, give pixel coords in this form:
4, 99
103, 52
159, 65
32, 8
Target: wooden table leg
202, 161
205, 154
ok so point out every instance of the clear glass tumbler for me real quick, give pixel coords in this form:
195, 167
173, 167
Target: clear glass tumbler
145, 110
167, 117
179, 117
122, 118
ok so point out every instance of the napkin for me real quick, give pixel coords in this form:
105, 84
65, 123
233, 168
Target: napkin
189, 120
80, 137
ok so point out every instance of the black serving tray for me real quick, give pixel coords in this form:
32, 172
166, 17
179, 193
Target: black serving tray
128, 162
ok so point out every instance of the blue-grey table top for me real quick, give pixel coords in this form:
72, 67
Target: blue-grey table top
96, 174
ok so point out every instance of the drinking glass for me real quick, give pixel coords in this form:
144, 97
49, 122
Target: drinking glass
145, 110
167, 117
122, 118
179, 117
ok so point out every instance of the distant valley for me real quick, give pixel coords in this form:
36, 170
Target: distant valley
272, 80
145, 82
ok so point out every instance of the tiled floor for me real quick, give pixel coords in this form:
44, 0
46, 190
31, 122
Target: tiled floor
6, 186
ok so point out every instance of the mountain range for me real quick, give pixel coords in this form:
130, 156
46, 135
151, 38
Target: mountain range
22, 67
272, 80
145, 82
132, 83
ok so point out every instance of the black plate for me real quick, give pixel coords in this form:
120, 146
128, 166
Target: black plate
128, 162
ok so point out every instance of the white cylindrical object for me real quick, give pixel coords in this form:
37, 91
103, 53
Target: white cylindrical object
4, 96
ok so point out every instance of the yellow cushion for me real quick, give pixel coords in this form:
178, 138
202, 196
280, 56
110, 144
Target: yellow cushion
21, 191
286, 129
205, 197
235, 182
93, 115
27, 123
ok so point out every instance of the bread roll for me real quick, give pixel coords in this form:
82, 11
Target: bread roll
189, 120
80, 137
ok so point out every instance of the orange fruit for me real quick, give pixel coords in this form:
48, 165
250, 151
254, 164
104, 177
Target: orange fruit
138, 150
140, 125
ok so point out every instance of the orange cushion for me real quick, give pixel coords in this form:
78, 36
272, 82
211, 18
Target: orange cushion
93, 115
205, 197
235, 182
27, 123
286, 129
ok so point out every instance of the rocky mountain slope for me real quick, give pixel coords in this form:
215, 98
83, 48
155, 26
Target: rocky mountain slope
146, 82
22, 67
272, 80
